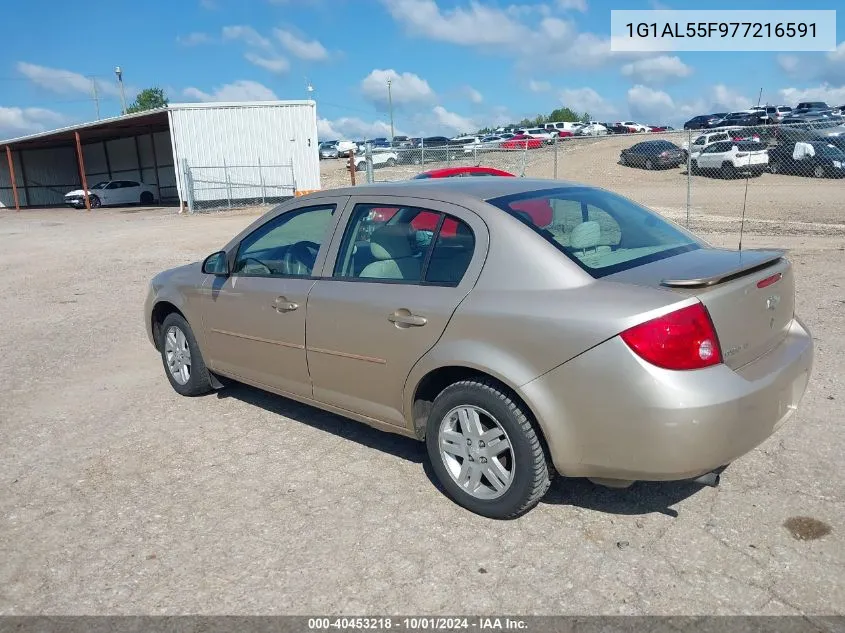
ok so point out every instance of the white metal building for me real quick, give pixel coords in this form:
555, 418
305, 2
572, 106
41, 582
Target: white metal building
199, 152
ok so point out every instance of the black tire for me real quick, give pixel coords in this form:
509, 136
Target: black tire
693, 166
147, 198
391, 162
94, 201
648, 164
774, 168
728, 170
819, 171
623, 160
532, 471
416, 160
362, 166
199, 382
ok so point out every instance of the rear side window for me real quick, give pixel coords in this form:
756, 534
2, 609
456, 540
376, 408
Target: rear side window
600, 231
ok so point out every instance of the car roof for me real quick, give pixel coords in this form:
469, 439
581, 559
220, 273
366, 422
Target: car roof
451, 189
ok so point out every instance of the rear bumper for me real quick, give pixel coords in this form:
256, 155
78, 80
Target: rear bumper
609, 414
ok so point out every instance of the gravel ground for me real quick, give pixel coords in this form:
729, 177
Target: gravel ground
120, 497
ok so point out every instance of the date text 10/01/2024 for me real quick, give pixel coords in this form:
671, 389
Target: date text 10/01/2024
721, 29
423, 623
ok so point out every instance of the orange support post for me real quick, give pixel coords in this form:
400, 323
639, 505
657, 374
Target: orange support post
12, 177
82, 171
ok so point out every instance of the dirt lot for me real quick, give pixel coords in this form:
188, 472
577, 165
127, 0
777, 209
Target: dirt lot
121, 497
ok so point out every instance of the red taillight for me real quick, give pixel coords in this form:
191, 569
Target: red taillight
684, 339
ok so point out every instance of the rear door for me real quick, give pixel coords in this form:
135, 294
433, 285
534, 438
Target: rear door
386, 296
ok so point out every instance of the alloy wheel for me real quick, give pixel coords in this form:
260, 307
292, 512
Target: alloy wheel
178, 355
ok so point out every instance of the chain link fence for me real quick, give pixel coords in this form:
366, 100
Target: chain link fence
211, 188
774, 178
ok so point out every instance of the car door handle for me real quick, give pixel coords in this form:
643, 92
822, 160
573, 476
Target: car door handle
281, 304
405, 318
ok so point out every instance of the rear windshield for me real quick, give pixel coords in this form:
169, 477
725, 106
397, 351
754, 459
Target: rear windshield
600, 231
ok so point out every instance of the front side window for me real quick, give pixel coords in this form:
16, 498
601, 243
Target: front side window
600, 231
404, 244
287, 245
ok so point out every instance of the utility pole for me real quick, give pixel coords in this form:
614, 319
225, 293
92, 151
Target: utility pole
119, 73
390, 103
760, 96
96, 96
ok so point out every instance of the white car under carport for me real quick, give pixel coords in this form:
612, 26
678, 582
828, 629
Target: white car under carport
113, 192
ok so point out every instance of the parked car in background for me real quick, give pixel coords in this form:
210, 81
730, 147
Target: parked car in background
798, 129
658, 128
637, 337
486, 143
328, 149
742, 119
462, 172
772, 114
563, 126
730, 134
345, 148
426, 150
384, 158
522, 141
633, 127
704, 121
653, 155
593, 129
816, 158
805, 107
399, 141
616, 128
537, 132
731, 158
112, 192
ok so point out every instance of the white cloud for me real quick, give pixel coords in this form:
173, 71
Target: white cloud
405, 88
828, 68
587, 100
63, 81
19, 121
656, 69
273, 64
241, 90
351, 128
304, 49
193, 39
651, 105
832, 95
539, 86
209, 5
473, 95
790, 64
451, 121
248, 35
552, 42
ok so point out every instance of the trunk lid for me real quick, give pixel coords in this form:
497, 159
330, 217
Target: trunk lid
749, 294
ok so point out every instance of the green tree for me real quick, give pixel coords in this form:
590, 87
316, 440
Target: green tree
564, 114
148, 99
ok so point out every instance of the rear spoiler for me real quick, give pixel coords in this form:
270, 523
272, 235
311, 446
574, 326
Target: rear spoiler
727, 275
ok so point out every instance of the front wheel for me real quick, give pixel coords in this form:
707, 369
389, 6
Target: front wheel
391, 162
818, 172
648, 164
485, 450
183, 362
94, 201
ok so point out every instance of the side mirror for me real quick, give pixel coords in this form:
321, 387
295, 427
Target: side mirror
216, 264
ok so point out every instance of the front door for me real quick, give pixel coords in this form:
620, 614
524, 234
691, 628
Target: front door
401, 268
254, 319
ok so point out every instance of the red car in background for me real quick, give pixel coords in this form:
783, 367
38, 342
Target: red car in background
522, 141
462, 172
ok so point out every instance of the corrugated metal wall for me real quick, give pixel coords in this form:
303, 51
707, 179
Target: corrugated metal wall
44, 176
224, 145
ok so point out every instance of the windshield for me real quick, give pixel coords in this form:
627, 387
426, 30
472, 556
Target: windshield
600, 231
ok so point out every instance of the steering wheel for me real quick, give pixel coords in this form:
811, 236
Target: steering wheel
253, 264
300, 257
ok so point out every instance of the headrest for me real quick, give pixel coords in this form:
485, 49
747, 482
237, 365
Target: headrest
585, 235
391, 242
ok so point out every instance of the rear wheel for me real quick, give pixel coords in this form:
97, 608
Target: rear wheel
648, 164
391, 162
818, 172
486, 451
728, 170
361, 166
180, 354
147, 198
775, 168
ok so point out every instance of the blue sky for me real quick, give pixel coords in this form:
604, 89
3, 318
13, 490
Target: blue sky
454, 64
